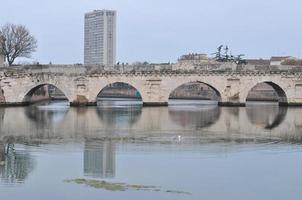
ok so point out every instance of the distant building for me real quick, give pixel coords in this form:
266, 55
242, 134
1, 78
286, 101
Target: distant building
258, 62
278, 60
275, 61
2, 57
194, 57
100, 38
193, 60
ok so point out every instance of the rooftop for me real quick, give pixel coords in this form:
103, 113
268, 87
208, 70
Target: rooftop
279, 58
258, 61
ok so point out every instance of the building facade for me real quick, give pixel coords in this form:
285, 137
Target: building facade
278, 60
100, 38
193, 60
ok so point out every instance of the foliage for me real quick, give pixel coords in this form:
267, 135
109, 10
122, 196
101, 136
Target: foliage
228, 57
17, 42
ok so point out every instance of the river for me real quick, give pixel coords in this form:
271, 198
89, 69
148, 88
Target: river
185, 151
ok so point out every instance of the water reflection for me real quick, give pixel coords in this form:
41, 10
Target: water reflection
127, 118
162, 146
2, 114
99, 159
121, 113
232, 119
197, 116
47, 112
266, 115
2, 153
15, 165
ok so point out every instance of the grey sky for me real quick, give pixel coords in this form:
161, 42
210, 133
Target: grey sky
162, 30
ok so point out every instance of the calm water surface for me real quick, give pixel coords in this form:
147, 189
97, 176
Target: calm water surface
207, 151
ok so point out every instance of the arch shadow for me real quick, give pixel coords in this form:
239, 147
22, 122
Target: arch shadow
119, 90
281, 95
40, 94
200, 94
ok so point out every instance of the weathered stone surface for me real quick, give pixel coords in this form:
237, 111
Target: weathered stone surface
2, 57
2, 97
82, 84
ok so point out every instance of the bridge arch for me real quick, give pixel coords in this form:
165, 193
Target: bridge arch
216, 95
281, 96
121, 88
29, 92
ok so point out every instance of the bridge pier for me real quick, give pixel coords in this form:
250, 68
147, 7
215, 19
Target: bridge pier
231, 104
82, 104
14, 104
155, 104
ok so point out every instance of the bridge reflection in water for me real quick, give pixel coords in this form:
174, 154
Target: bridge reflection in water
195, 116
103, 128
128, 118
266, 115
43, 114
121, 113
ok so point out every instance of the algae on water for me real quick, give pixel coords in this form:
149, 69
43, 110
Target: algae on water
120, 187
99, 184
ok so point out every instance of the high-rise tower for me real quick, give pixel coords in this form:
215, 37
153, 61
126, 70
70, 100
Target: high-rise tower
100, 37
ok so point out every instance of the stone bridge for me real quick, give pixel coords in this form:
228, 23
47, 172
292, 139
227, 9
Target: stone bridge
82, 84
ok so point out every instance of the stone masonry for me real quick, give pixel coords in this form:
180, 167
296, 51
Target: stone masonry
2, 58
82, 84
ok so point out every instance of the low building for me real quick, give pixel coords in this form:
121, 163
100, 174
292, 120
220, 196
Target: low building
194, 58
278, 60
275, 62
258, 62
192, 61
292, 61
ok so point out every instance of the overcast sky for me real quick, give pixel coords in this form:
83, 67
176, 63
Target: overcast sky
162, 30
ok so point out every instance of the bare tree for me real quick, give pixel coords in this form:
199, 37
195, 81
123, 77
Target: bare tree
18, 42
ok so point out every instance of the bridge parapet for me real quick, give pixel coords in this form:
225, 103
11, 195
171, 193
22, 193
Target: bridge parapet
149, 69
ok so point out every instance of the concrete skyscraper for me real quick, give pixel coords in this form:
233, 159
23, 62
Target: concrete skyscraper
100, 37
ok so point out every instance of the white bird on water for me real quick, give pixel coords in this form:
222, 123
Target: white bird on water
179, 138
